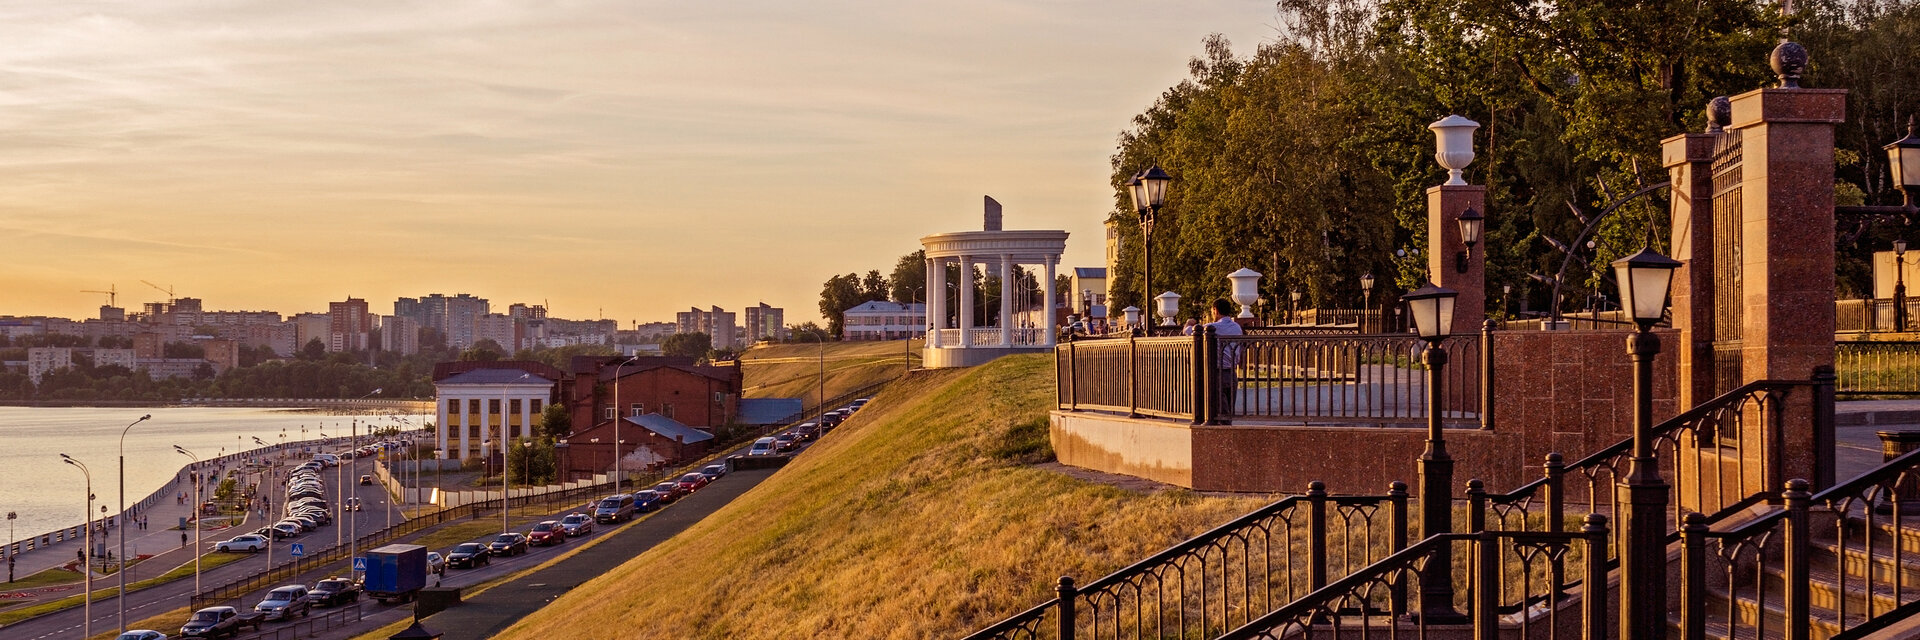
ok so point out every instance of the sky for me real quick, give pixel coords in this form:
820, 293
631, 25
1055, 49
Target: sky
611, 159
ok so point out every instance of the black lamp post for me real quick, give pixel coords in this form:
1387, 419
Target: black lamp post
1471, 222
1644, 278
1366, 296
1900, 285
1431, 308
1149, 191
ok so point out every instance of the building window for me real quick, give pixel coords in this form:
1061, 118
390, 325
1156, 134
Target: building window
666, 410
637, 409
610, 411
534, 405
493, 407
719, 397
473, 406
453, 407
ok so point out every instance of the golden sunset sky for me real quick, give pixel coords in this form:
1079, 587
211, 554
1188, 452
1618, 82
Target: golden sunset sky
617, 159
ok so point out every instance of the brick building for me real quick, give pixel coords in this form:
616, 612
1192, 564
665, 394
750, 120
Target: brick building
646, 441
701, 396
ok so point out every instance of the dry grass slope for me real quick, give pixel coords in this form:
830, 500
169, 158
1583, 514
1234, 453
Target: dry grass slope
920, 518
793, 370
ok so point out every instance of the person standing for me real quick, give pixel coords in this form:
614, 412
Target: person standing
1227, 360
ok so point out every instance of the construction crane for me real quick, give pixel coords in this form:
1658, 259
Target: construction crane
166, 290
110, 293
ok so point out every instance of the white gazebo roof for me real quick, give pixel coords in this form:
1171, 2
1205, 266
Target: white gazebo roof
1032, 246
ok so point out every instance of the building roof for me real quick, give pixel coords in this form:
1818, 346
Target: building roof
445, 370
1090, 272
768, 410
494, 376
882, 306
669, 428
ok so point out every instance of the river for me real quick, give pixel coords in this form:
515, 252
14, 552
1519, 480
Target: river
48, 494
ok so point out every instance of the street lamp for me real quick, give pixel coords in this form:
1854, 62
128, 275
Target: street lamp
1246, 289
1644, 278
1900, 283
198, 477
11, 516
1149, 191
619, 416
266, 479
1471, 222
86, 625
121, 596
1432, 310
1903, 159
1366, 293
1295, 295
506, 441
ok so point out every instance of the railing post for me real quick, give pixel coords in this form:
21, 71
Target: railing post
1693, 577
1067, 593
1316, 535
1133, 376
1486, 375
1477, 506
1397, 496
1594, 599
1556, 471
1073, 375
1799, 548
1823, 443
1210, 349
1200, 390
1486, 585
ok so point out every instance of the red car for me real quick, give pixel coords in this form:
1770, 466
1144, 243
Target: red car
547, 534
693, 481
669, 491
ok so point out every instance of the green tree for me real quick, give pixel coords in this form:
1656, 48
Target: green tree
314, 350
688, 345
909, 279
555, 422
484, 350
807, 332
839, 294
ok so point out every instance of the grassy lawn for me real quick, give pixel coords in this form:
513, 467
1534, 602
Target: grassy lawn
793, 370
184, 571
924, 516
46, 578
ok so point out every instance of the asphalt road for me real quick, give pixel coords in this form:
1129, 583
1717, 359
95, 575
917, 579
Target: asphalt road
158, 599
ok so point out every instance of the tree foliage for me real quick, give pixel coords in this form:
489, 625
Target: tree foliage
689, 345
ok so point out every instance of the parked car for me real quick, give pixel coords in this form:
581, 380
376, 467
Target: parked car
141, 634
219, 622
693, 481
508, 544
333, 592
286, 602
244, 543
327, 459
761, 447
646, 501
669, 491
614, 508
576, 525
547, 534
436, 563
468, 555
714, 471
284, 530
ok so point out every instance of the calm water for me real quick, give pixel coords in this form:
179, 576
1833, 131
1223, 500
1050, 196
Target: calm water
48, 493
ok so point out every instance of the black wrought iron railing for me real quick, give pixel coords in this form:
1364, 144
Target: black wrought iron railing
1228, 576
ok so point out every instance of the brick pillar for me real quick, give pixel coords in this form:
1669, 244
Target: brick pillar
1444, 205
1786, 248
1689, 159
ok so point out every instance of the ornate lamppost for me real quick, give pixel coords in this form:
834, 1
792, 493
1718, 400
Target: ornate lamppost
1900, 285
121, 596
1432, 310
1366, 295
1149, 191
199, 476
1643, 278
86, 624
1294, 311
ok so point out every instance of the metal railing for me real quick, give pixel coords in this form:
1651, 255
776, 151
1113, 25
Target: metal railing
1324, 378
1877, 367
1365, 604
1226, 577
309, 626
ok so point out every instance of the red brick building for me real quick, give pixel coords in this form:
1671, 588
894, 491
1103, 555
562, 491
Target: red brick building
647, 441
699, 396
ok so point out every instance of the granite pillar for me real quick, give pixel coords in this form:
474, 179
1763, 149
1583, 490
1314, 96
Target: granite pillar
1444, 246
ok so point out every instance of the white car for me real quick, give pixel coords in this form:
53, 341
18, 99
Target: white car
249, 543
142, 634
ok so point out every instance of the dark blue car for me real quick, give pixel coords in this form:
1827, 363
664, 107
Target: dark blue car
646, 501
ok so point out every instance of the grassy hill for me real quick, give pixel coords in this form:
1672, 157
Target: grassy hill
922, 517
793, 370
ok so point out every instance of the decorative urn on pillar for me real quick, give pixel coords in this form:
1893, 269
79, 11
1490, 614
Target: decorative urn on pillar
1246, 290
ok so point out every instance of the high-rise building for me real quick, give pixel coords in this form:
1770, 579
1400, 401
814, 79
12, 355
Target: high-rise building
765, 323
503, 330
350, 327
452, 317
308, 327
400, 334
717, 324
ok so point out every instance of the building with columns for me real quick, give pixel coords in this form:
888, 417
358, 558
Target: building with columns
959, 338
476, 400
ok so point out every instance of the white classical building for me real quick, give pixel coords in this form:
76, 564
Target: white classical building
474, 405
956, 341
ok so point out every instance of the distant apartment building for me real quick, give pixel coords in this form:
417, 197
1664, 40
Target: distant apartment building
308, 327
163, 368
451, 316
115, 357
149, 344
717, 324
765, 323
42, 360
349, 326
503, 330
224, 354
278, 336
881, 320
400, 334
13, 327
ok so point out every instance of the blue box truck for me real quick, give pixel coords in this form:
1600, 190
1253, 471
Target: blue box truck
395, 572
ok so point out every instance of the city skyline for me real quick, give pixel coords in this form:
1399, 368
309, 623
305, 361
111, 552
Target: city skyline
614, 160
